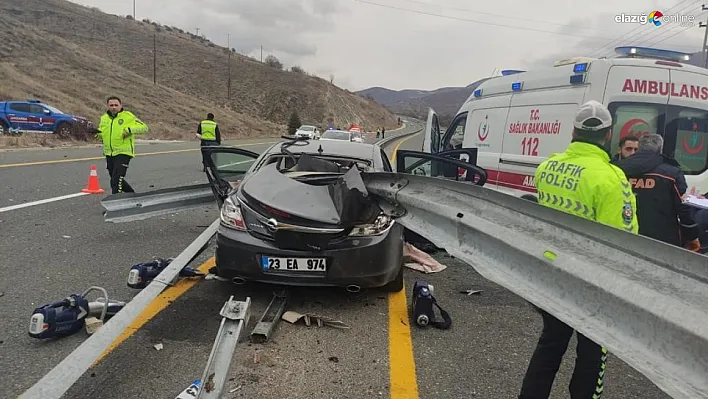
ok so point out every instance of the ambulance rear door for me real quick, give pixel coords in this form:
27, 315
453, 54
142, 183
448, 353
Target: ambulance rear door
637, 97
431, 134
686, 132
540, 123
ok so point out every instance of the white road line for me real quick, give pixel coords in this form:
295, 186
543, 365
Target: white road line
40, 202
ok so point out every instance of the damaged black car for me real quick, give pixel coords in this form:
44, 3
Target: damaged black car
299, 213
292, 216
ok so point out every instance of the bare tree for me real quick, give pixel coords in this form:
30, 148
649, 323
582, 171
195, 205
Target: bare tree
273, 62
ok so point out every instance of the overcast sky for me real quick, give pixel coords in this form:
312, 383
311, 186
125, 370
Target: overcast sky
422, 44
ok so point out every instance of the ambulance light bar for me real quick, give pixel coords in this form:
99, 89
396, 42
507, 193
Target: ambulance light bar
580, 68
648, 52
516, 86
478, 93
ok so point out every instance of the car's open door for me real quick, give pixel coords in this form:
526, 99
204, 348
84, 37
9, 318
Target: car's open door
226, 167
458, 164
449, 165
431, 140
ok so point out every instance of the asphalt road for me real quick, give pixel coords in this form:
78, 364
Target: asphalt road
63, 247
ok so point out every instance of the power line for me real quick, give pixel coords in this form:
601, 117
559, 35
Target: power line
484, 23
676, 29
658, 33
479, 22
505, 16
625, 36
628, 35
667, 34
670, 36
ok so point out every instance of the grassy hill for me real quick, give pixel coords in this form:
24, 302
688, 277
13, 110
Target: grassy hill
74, 57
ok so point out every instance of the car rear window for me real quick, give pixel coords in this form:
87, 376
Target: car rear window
336, 135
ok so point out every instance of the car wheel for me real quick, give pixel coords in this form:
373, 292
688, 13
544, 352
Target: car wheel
397, 284
63, 130
4, 128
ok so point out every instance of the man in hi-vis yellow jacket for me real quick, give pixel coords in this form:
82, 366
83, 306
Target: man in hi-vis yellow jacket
117, 129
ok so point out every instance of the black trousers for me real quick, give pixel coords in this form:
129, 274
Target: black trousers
207, 143
117, 168
588, 376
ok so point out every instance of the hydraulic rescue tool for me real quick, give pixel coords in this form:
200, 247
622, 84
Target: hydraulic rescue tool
142, 274
423, 302
66, 317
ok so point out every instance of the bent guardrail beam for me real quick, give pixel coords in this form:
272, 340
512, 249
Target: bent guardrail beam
130, 207
646, 301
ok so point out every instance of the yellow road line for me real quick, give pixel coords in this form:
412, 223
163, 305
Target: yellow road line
402, 373
395, 149
98, 158
162, 301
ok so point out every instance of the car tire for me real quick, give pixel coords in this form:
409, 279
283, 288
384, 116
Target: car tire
397, 284
4, 128
63, 130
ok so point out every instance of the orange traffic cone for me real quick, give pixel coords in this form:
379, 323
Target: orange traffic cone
93, 186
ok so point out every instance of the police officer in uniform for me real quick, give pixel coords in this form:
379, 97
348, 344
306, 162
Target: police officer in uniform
117, 129
580, 181
209, 134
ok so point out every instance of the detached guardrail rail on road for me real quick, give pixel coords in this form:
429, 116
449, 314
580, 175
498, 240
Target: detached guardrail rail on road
65, 374
646, 301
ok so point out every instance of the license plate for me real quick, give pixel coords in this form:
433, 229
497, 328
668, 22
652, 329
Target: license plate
269, 263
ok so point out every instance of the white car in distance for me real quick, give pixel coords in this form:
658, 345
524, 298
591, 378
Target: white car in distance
339, 135
307, 131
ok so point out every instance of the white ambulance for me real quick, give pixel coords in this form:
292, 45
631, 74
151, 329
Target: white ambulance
516, 121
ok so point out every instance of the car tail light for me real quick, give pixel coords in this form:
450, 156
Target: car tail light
379, 226
231, 215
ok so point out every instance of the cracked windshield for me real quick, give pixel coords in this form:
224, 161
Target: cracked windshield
321, 199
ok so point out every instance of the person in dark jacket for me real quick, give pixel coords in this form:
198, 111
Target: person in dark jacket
659, 185
628, 145
701, 218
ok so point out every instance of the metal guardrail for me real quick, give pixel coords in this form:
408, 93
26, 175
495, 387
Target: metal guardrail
646, 301
129, 207
414, 128
55, 383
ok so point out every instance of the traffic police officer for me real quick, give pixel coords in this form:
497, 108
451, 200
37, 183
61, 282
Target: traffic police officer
209, 134
581, 181
117, 129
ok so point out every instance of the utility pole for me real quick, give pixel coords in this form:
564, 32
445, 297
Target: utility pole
228, 90
704, 49
133, 9
154, 58
261, 54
